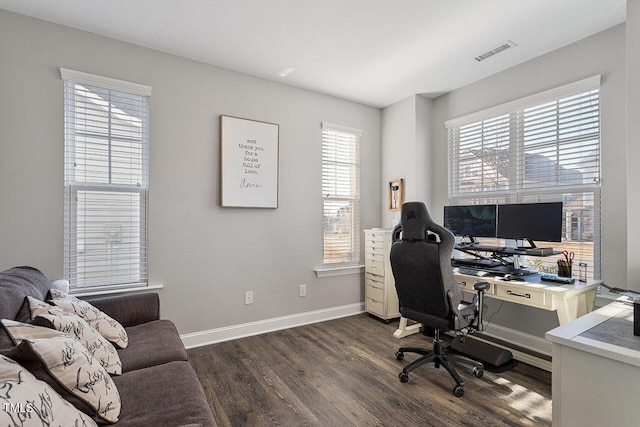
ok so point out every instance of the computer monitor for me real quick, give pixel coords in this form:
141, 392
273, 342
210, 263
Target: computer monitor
530, 221
471, 220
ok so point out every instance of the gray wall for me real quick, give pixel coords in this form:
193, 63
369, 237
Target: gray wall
205, 256
603, 53
633, 146
407, 130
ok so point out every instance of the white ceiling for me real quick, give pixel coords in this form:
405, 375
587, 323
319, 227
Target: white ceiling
375, 52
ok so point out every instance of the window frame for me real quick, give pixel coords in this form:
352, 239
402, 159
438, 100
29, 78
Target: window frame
73, 186
353, 199
516, 191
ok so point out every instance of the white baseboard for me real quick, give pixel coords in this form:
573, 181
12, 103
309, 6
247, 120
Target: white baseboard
227, 333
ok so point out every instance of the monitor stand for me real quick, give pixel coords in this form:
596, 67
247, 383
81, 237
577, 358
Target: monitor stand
531, 245
472, 241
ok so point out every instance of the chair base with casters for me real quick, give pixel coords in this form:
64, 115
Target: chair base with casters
439, 357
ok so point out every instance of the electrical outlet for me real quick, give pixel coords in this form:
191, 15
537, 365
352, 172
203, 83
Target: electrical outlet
248, 297
303, 290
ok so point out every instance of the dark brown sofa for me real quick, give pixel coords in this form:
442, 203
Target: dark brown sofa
158, 387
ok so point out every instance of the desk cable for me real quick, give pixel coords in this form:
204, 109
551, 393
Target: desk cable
461, 335
626, 296
620, 290
494, 313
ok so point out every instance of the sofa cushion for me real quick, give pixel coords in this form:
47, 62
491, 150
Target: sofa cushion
105, 325
17, 283
54, 317
129, 309
69, 368
27, 401
166, 395
150, 344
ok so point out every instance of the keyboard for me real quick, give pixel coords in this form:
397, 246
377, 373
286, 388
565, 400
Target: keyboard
491, 272
501, 271
475, 263
474, 272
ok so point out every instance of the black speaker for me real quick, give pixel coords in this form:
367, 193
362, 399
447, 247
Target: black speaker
636, 317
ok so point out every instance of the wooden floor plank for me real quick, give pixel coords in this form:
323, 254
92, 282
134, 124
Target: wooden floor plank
344, 373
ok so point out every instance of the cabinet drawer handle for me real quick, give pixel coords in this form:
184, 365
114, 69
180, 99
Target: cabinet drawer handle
518, 295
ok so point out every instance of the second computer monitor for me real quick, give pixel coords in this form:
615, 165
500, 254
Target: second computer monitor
471, 220
530, 221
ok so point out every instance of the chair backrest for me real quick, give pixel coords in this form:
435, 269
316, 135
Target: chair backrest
421, 265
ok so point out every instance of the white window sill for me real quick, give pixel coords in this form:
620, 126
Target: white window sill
111, 291
338, 271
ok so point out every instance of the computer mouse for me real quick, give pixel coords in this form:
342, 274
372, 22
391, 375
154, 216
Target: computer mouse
507, 278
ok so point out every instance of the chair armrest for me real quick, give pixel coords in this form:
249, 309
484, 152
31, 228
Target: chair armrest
471, 313
480, 287
129, 310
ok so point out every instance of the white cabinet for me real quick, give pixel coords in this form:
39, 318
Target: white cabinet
380, 298
596, 369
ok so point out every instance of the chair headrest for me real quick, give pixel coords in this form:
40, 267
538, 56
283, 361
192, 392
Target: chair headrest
415, 221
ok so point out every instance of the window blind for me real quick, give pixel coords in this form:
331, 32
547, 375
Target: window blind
340, 195
539, 149
106, 181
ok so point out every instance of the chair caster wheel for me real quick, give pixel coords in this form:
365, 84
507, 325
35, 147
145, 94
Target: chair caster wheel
458, 391
399, 355
404, 377
478, 372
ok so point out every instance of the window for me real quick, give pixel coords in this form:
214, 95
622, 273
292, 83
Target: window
543, 148
105, 180
340, 195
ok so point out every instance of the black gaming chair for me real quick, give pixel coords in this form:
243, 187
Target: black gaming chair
428, 292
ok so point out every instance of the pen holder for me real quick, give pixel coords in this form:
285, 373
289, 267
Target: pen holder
564, 268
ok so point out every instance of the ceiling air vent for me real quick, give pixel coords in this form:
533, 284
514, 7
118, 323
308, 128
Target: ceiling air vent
506, 45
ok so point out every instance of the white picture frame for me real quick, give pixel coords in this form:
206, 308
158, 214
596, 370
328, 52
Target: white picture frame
248, 163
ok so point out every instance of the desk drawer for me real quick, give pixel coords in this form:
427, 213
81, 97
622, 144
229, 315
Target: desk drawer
375, 266
522, 296
375, 294
372, 257
373, 280
467, 286
375, 307
375, 249
377, 235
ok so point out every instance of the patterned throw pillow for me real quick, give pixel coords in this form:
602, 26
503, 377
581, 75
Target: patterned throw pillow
19, 331
69, 368
101, 322
54, 317
26, 401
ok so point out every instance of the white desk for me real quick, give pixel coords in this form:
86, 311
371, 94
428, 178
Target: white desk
596, 369
569, 301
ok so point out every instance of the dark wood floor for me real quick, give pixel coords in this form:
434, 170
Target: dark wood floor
344, 373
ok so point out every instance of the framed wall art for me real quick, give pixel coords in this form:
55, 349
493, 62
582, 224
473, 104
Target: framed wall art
396, 194
248, 163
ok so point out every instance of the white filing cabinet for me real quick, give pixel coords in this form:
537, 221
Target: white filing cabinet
380, 296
